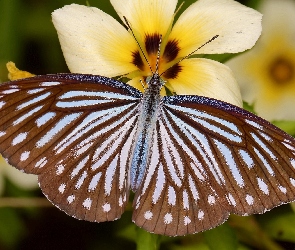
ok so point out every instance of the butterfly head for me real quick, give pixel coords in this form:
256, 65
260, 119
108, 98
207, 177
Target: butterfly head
155, 82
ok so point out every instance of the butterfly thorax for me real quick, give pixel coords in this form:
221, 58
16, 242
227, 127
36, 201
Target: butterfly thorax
147, 121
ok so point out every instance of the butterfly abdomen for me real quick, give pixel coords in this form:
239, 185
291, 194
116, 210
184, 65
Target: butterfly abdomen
147, 121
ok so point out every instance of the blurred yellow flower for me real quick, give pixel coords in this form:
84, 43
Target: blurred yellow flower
95, 43
22, 180
266, 74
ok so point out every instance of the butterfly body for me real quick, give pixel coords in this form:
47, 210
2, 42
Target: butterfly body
190, 160
151, 101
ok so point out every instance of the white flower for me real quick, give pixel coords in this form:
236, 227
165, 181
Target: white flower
266, 74
94, 42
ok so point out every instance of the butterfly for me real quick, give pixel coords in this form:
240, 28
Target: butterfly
190, 160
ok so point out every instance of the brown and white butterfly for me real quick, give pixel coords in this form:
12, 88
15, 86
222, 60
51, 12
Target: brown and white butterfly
190, 160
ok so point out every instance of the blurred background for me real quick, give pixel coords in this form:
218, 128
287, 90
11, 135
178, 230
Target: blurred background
29, 221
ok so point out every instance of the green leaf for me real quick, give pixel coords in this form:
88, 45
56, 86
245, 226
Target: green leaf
287, 126
248, 107
221, 237
11, 227
279, 223
192, 246
249, 231
146, 240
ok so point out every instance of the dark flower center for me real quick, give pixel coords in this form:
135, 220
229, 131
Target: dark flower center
171, 51
281, 70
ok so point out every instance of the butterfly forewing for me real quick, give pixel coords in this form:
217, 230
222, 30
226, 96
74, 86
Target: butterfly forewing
77, 133
209, 159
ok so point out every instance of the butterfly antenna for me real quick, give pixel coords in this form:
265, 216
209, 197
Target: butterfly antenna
187, 56
158, 55
129, 27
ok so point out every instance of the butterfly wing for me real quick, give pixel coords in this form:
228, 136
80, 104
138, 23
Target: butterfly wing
209, 159
76, 132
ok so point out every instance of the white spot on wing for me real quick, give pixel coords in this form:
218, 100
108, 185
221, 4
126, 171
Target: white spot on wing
171, 196
33, 101
109, 178
160, 182
185, 200
283, 189
2, 103
9, 91
44, 84
292, 181
211, 199
168, 218
265, 163
62, 188
231, 163
106, 207
246, 158
193, 188
81, 180
41, 163
263, 146
19, 138
94, 181
201, 215
254, 124
199, 171
87, 94
231, 199
26, 115
81, 103
71, 198
2, 133
59, 169
265, 136
87, 203
34, 91
45, 118
186, 220
24, 156
289, 146
250, 199
81, 164
148, 215
120, 201
263, 187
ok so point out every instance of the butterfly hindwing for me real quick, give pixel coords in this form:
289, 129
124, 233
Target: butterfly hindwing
76, 132
212, 158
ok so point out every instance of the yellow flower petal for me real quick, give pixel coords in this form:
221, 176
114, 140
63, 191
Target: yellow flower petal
14, 73
93, 42
208, 78
135, 82
237, 26
148, 16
